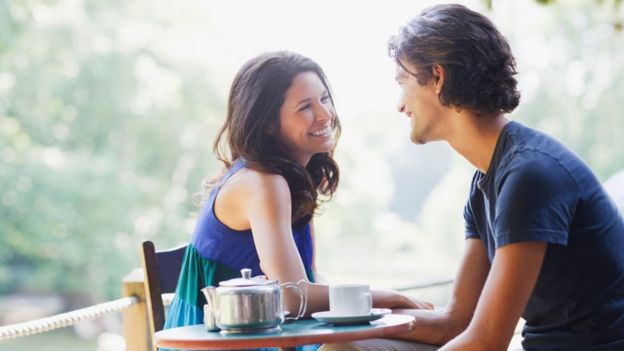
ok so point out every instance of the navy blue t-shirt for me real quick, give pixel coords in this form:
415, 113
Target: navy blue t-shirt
537, 190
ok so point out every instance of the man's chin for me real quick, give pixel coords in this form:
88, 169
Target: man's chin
417, 139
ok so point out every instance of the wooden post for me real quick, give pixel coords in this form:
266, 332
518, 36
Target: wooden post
136, 328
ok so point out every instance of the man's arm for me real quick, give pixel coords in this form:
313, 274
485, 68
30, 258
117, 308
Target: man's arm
507, 290
438, 327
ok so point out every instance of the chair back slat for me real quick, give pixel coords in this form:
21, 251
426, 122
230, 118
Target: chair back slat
169, 266
161, 270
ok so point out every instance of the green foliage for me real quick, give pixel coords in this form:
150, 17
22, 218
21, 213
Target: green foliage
545, 2
579, 92
94, 143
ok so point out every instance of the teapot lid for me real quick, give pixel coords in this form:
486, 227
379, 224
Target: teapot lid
247, 280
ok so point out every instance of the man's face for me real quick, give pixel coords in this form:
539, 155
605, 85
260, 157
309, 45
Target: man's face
420, 103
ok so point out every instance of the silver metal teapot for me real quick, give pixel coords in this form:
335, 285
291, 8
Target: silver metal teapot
248, 304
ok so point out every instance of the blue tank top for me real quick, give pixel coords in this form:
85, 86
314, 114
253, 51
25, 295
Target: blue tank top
235, 249
216, 253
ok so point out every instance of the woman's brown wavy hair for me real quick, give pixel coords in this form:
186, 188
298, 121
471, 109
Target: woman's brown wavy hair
254, 103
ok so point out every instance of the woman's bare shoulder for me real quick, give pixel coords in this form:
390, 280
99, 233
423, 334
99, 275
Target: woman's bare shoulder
251, 183
250, 191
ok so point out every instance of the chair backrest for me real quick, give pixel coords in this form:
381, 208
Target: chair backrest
161, 270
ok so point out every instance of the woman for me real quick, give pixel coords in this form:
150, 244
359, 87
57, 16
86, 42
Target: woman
277, 145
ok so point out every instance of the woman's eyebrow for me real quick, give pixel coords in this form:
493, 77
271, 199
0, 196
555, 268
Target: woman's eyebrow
306, 100
303, 102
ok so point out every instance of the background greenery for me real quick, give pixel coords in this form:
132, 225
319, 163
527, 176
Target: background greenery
106, 128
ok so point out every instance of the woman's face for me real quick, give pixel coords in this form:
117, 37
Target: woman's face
306, 118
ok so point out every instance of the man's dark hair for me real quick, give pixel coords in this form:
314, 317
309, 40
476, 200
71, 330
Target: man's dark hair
476, 58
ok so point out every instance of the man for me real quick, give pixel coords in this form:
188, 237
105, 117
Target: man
543, 240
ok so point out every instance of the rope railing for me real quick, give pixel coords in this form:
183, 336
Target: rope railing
65, 319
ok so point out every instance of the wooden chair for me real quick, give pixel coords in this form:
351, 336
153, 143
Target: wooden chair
160, 270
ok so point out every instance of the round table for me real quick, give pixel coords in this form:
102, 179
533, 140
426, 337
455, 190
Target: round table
301, 332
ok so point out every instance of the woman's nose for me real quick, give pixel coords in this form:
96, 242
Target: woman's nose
325, 112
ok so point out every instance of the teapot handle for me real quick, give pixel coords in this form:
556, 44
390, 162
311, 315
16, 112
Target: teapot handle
303, 298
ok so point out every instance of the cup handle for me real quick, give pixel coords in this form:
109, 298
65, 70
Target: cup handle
303, 298
369, 296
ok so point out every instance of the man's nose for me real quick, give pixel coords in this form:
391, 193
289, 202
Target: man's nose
401, 107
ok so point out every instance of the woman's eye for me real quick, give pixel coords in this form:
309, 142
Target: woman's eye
304, 107
325, 99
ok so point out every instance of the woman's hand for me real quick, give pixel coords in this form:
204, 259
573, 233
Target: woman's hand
418, 304
383, 298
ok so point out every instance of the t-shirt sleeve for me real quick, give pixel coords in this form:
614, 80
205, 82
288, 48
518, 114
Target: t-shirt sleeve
470, 227
536, 201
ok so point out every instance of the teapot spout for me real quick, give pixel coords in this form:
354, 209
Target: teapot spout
210, 309
211, 296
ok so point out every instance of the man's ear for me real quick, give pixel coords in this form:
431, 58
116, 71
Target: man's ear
438, 77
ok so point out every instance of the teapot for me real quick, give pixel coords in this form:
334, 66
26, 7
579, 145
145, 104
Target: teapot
248, 304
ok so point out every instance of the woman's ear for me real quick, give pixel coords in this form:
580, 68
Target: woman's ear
273, 128
438, 78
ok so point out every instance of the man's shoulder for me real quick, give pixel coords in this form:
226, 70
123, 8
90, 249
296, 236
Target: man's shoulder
537, 168
534, 151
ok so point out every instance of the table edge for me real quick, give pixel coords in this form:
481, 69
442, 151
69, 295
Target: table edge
290, 342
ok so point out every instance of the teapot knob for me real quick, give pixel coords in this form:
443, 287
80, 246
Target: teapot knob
246, 273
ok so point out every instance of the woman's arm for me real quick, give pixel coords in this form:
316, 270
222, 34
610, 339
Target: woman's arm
266, 204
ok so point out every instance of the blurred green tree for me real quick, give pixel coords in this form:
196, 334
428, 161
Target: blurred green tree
101, 138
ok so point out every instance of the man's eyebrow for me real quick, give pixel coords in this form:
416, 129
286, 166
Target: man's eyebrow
399, 76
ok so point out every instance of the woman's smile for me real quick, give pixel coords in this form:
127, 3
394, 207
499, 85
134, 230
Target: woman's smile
323, 132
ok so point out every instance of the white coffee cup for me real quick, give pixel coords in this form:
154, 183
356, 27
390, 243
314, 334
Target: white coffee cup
350, 300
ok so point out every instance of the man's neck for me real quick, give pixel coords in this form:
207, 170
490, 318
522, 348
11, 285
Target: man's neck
474, 137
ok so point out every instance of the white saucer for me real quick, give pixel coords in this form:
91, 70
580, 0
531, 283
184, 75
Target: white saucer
328, 317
